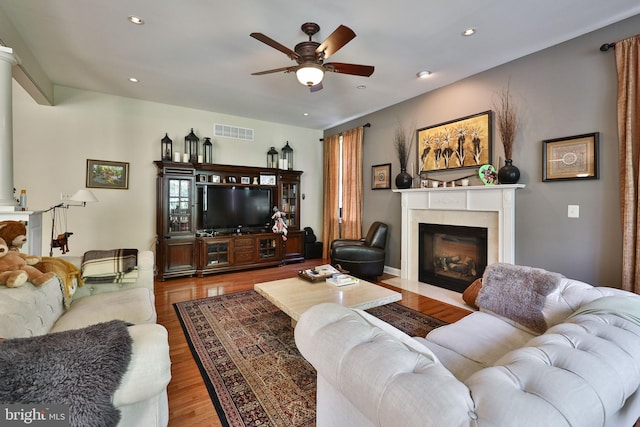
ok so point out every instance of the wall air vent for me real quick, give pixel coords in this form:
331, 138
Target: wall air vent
226, 131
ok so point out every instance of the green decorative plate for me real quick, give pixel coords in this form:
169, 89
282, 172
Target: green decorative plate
488, 174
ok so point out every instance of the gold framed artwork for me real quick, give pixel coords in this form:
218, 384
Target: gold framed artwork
570, 158
456, 144
106, 174
381, 177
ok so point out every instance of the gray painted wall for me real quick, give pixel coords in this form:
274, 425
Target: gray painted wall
569, 89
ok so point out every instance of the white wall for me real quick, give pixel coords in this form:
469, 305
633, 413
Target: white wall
52, 144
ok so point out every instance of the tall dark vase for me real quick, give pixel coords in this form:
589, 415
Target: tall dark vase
508, 174
403, 179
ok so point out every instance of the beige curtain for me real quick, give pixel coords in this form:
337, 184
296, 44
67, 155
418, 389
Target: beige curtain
352, 198
330, 225
628, 66
352, 183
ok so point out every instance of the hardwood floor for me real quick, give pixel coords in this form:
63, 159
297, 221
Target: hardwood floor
189, 402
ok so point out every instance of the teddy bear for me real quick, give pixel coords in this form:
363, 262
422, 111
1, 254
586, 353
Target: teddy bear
14, 233
15, 268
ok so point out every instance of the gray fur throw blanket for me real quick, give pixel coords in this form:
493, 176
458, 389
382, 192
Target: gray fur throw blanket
517, 293
81, 368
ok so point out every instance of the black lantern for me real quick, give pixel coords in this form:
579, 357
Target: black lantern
166, 144
191, 146
207, 148
287, 157
272, 158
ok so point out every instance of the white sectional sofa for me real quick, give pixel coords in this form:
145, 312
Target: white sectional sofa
141, 398
543, 350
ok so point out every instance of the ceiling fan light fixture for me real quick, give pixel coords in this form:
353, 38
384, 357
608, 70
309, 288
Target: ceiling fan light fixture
310, 74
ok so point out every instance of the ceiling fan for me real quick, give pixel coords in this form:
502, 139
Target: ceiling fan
311, 55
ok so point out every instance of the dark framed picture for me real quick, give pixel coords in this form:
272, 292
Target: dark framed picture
381, 177
106, 174
461, 143
570, 158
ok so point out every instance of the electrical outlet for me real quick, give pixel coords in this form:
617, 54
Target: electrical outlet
64, 196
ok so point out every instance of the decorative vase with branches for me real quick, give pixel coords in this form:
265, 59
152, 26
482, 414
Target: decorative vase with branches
403, 144
507, 124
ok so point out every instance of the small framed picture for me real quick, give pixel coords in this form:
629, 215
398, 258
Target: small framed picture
202, 178
570, 158
215, 179
381, 177
106, 174
245, 180
231, 179
267, 180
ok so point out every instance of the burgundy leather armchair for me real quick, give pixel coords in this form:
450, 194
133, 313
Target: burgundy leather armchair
364, 257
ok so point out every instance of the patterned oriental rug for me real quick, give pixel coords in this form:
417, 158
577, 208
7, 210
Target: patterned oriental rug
246, 353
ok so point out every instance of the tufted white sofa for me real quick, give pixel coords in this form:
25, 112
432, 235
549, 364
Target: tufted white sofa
142, 396
486, 369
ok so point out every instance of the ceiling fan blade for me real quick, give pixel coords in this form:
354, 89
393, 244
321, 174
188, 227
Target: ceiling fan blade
341, 36
275, 70
354, 69
274, 44
316, 88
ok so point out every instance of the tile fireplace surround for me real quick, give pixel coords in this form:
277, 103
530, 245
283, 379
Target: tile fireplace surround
491, 207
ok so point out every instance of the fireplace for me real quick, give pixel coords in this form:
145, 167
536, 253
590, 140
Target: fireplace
451, 256
491, 207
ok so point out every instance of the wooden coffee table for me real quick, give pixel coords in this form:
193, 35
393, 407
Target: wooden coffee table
294, 296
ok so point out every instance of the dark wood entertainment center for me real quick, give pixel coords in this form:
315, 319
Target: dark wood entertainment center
184, 248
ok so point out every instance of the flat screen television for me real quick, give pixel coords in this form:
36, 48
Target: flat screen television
230, 207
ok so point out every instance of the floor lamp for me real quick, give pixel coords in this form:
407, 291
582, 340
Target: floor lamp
82, 197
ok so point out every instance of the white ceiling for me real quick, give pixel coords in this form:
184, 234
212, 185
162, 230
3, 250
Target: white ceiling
198, 53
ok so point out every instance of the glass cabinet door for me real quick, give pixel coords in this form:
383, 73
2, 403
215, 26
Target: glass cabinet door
180, 203
290, 203
217, 253
267, 248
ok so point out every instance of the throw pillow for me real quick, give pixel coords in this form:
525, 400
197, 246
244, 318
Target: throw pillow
471, 293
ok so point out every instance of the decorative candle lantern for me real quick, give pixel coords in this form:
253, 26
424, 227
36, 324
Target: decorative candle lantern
272, 158
166, 144
191, 146
287, 157
207, 148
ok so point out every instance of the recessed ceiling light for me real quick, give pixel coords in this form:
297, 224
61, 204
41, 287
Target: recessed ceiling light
305, 114
469, 32
135, 20
133, 80
423, 74
361, 87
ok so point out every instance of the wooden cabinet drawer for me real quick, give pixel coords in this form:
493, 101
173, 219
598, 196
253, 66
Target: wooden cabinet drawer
244, 242
243, 255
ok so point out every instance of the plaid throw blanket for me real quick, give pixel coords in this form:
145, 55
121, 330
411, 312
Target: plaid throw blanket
110, 266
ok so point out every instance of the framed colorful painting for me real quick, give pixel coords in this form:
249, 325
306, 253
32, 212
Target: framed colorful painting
105, 174
462, 143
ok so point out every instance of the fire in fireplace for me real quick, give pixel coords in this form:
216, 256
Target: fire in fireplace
451, 256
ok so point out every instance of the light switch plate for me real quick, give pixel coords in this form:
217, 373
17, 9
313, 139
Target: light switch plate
573, 211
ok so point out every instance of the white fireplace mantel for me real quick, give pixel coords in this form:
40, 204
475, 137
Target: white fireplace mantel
496, 199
